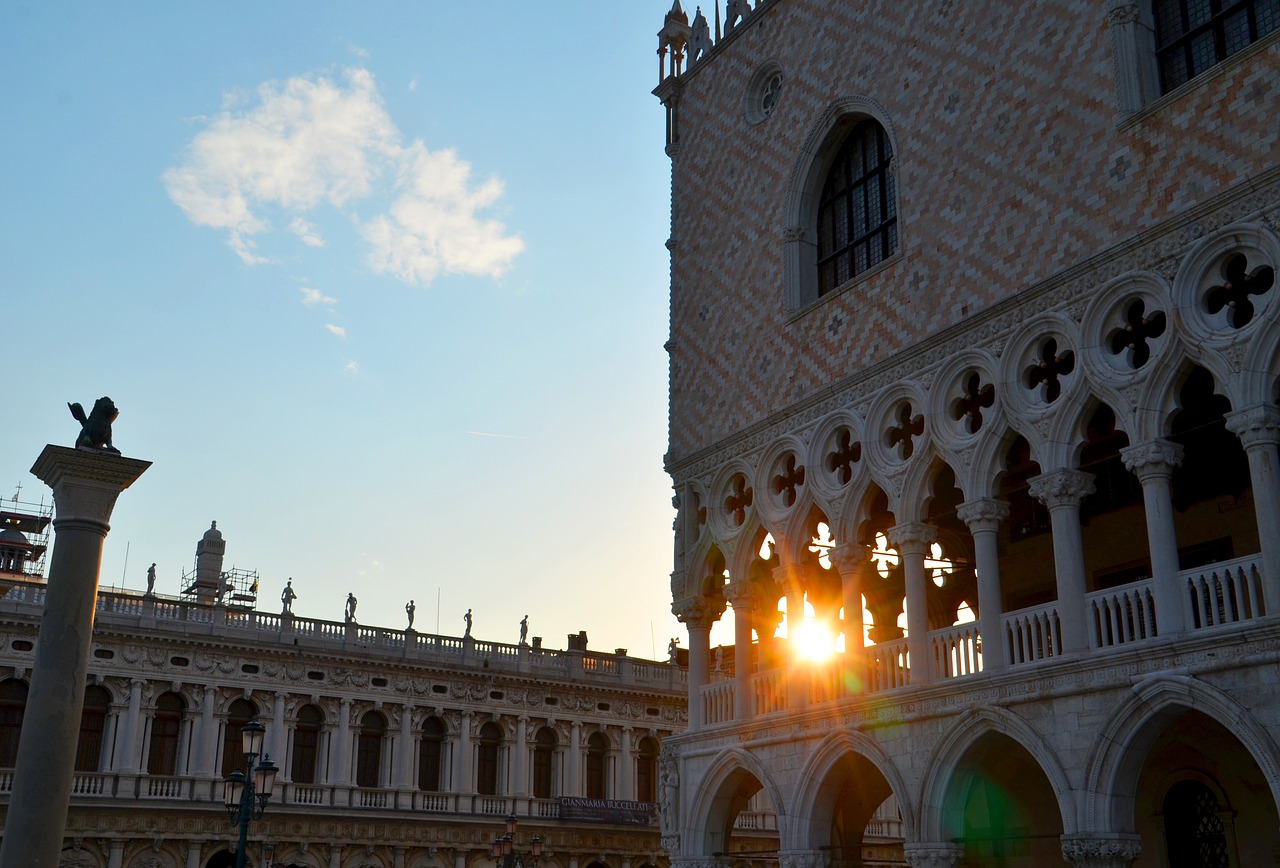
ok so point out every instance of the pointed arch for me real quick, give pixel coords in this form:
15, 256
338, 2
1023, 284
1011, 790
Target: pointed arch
721, 793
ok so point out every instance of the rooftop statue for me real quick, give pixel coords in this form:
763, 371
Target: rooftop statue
95, 430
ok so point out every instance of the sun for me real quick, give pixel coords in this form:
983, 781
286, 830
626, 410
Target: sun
813, 642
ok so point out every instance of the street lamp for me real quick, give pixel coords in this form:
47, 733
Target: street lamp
505, 854
246, 793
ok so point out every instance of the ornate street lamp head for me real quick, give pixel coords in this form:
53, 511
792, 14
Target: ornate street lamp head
232, 793
251, 738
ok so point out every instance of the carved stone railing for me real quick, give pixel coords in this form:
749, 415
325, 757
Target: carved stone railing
1119, 616
133, 609
888, 665
1032, 634
955, 651
717, 703
1224, 593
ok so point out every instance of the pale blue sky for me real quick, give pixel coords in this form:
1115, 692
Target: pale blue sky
379, 287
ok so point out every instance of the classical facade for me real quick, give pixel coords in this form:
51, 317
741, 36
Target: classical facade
974, 356
396, 749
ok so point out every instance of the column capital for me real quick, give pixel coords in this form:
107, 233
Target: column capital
742, 596
698, 611
86, 482
1153, 459
983, 514
933, 855
847, 558
915, 535
1256, 425
804, 859
1101, 851
1058, 488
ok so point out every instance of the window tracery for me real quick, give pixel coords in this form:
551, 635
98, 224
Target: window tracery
857, 212
1194, 35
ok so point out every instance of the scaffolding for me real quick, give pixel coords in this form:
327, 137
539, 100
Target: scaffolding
23, 553
236, 589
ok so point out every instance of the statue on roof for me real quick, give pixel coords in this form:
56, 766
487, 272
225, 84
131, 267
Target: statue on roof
151, 580
351, 608
410, 609
287, 596
733, 10
95, 429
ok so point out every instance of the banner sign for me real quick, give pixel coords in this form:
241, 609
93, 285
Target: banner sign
607, 811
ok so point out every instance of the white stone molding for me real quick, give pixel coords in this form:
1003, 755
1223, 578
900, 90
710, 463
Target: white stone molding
1107, 316
825, 441
719, 517
1086, 850
804, 858
1202, 268
886, 460
933, 855
1025, 350
772, 463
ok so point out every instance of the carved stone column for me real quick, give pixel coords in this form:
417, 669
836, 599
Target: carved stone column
85, 486
1153, 462
207, 733
912, 541
520, 761
1101, 851
743, 598
698, 614
1062, 491
789, 578
626, 789
279, 733
1135, 82
128, 761
852, 561
933, 855
462, 759
573, 785
1258, 428
983, 517
341, 750
403, 751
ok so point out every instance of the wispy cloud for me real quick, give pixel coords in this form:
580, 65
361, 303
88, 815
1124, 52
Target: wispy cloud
307, 232
499, 436
311, 142
352, 367
312, 297
336, 330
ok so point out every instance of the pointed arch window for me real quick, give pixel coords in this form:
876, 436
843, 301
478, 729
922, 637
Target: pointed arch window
857, 212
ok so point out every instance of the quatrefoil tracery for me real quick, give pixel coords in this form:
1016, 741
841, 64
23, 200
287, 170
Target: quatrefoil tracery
1139, 329
1051, 368
847, 453
902, 435
790, 478
976, 398
739, 500
1238, 283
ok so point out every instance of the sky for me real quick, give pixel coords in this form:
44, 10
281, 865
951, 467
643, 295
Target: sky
379, 287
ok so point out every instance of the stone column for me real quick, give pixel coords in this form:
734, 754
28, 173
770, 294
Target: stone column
1115, 850
698, 614
208, 731
128, 760
852, 561
341, 746
520, 764
193, 854
574, 783
1062, 491
625, 789
85, 486
789, 578
912, 541
279, 735
462, 760
1258, 428
743, 599
983, 517
933, 854
1153, 462
115, 856
403, 756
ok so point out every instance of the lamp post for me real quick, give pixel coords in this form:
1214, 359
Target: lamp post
505, 854
246, 793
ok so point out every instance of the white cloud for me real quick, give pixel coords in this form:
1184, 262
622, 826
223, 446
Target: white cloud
312, 297
433, 226
413, 85
307, 232
336, 330
307, 143
352, 367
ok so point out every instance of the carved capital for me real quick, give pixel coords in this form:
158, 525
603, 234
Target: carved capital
1060, 488
1121, 12
1153, 459
792, 234
1258, 425
848, 558
913, 537
742, 596
1099, 851
85, 483
933, 855
789, 576
804, 859
984, 514
698, 611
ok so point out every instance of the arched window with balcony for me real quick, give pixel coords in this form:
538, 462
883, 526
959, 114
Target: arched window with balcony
305, 767
166, 732
597, 766
488, 749
545, 744
431, 755
13, 704
373, 732
647, 770
93, 727
238, 714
